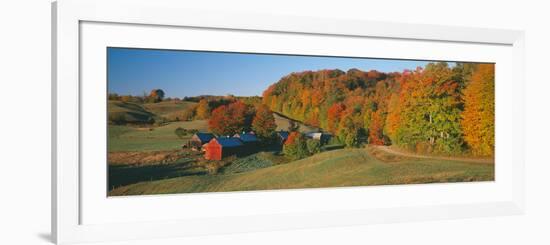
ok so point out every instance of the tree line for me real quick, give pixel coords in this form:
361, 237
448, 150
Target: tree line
436, 109
155, 96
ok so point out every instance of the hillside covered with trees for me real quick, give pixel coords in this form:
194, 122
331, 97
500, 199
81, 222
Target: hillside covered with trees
439, 109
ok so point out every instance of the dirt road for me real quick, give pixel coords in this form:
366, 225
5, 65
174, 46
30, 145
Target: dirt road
390, 150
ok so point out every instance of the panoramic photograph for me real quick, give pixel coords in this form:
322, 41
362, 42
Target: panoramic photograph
182, 121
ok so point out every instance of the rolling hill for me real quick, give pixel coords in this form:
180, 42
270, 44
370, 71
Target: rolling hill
337, 168
120, 112
127, 112
169, 110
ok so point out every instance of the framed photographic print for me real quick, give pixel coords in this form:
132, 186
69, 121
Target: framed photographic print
175, 122
206, 121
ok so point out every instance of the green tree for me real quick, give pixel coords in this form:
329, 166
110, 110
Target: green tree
295, 146
351, 131
180, 132
430, 112
313, 146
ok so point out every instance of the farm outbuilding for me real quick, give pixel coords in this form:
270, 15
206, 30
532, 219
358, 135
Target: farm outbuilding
200, 139
320, 136
219, 148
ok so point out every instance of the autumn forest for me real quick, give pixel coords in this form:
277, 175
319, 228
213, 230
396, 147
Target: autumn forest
439, 109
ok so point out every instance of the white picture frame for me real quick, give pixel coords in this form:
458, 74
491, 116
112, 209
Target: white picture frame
68, 17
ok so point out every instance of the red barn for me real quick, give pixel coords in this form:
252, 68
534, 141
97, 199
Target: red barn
219, 148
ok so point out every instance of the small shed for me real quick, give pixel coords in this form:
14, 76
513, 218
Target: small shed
320, 136
219, 148
282, 136
200, 139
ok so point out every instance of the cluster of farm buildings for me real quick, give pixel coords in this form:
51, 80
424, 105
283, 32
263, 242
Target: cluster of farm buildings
217, 148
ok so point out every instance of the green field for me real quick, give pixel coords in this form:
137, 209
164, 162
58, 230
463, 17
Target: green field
255, 161
125, 112
169, 110
336, 168
130, 138
121, 175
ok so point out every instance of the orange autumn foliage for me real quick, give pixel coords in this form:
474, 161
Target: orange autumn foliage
292, 137
478, 118
203, 109
425, 106
263, 123
375, 131
230, 119
335, 113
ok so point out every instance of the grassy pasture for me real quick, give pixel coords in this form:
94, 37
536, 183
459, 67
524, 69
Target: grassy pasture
132, 167
129, 138
337, 168
128, 112
120, 175
255, 161
170, 110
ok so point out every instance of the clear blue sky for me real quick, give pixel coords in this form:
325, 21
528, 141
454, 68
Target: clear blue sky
191, 73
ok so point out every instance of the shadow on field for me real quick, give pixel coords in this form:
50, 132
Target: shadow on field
332, 147
254, 158
125, 175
